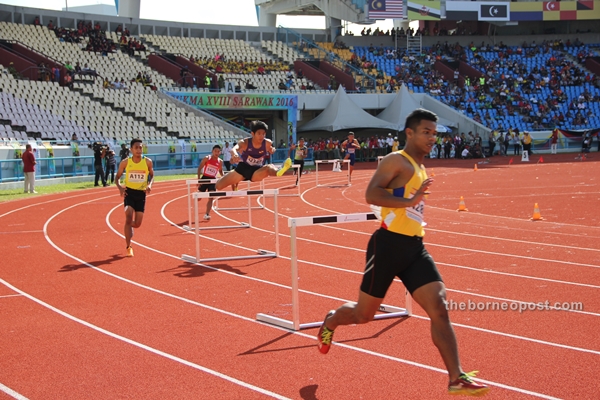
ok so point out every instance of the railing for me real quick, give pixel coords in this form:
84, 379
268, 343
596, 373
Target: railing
65, 167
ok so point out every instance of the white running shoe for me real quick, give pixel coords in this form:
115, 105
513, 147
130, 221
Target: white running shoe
206, 217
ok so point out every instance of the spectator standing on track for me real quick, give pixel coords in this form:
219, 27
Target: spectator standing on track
139, 175
29, 163
399, 187
254, 151
300, 153
349, 146
210, 167
526, 142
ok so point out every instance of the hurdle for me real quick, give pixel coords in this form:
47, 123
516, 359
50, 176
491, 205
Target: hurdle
261, 253
294, 324
250, 206
379, 158
297, 192
317, 162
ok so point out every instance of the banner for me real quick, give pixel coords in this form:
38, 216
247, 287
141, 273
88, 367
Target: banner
243, 101
385, 9
555, 11
423, 10
477, 11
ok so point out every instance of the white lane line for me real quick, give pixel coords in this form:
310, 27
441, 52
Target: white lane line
12, 393
140, 345
10, 295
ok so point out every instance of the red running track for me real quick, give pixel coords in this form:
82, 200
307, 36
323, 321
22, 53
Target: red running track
79, 320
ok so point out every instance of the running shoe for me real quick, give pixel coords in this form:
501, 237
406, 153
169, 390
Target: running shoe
466, 386
129, 251
286, 165
325, 335
206, 217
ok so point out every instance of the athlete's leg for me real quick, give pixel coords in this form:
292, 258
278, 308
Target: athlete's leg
209, 204
432, 298
139, 217
232, 178
128, 227
355, 313
263, 172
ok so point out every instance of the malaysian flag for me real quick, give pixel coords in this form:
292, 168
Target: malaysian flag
385, 9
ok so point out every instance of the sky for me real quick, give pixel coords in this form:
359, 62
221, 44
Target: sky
222, 12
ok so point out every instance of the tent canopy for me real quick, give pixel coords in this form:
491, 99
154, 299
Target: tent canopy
343, 113
402, 105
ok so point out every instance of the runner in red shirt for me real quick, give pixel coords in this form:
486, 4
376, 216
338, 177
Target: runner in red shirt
209, 168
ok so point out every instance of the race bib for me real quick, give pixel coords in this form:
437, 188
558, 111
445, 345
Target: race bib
255, 162
351, 150
210, 170
137, 176
416, 213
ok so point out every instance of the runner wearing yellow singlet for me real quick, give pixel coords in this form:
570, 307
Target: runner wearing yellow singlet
139, 175
399, 187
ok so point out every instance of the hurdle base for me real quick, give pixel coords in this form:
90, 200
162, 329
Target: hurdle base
387, 312
261, 254
241, 225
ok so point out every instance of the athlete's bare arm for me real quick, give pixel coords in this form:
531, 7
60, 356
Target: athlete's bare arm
394, 171
122, 166
241, 146
150, 174
270, 147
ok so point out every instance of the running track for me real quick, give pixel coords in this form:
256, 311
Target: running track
78, 320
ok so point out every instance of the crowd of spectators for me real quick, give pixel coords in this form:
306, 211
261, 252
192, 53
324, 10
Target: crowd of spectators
370, 147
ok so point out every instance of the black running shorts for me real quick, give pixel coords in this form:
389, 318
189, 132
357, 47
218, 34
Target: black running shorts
246, 170
207, 187
135, 199
391, 255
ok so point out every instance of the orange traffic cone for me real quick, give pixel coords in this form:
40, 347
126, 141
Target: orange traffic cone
432, 173
536, 213
475, 168
462, 206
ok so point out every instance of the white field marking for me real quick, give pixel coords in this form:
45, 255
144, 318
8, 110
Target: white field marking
141, 345
8, 233
430, 218
514, 240
12, 393
185, 362
516, 219
10, 295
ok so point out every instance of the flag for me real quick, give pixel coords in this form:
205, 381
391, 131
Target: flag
551, 6
493, 12
585, 5
385, 9
510, 162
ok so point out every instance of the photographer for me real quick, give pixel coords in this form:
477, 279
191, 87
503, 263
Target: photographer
99, 153
124, 153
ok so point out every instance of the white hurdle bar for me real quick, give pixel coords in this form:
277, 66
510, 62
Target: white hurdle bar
379, 158
261, 253
317, 162
293, 223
